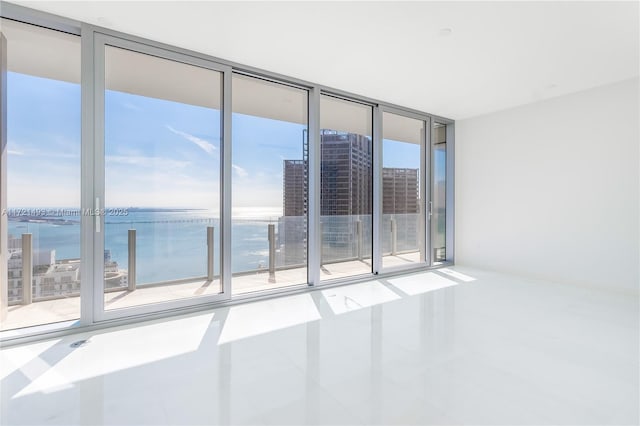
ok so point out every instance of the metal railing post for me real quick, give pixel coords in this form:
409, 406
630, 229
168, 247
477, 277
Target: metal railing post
272, 251
394, 237
210, 253
27, 269
132, 260
359, 238
321, 238
422, 241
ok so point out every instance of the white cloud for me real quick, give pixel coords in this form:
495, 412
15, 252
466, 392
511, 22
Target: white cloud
31, 150
141, 161
203, 144
131, 106
240, 171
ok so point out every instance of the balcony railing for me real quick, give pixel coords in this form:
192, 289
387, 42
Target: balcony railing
344, 239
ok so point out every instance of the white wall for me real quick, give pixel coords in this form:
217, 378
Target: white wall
551, 190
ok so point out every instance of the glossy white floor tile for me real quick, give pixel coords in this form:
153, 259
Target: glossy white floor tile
454, 346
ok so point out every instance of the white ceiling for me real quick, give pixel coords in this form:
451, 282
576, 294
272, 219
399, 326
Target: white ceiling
498, 54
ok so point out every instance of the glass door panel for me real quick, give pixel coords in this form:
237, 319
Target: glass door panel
346, 188
40, 176
439, 193
162, 179
269, 185
402, 238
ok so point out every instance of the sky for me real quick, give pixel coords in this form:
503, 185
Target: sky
158, 153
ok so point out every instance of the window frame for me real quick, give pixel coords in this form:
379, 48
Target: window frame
96, 180
425, 188
90, 35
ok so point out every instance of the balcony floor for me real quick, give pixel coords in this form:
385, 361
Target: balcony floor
65, 309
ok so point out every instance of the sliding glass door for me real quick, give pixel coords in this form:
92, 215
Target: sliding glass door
270, 155
130, 194
403, 228
39, 176
158, 195
439, 191
346, 188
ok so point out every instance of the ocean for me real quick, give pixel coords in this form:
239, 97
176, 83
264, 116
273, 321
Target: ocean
171, 243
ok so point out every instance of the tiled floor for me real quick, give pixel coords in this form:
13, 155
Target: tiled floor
454, 346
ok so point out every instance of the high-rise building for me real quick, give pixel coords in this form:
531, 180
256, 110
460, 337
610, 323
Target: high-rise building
345, 177
292, 227
295, 188
346, 193
345, 174
346, 184
400, 191
346, 189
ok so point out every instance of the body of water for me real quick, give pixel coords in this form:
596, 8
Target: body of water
171, 244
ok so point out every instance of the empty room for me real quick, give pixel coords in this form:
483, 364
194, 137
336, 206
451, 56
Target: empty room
319, 212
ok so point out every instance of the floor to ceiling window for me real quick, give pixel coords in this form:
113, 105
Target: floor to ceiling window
162, 133
148, 178
346, 188
41, 171
270, 155
403, 221
439, 193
